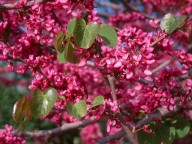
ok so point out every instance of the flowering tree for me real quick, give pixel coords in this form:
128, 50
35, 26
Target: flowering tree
125, 64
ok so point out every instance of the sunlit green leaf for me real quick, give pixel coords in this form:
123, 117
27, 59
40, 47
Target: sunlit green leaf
42, 102
60, 57
85, 34
77, 110
71, 27
108, 35
98, 100
170, 24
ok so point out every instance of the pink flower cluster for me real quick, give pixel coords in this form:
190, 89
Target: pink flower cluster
7, 137
132, 57
91, 133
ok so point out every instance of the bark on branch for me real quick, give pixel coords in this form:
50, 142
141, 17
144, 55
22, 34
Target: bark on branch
55, 131
28, 5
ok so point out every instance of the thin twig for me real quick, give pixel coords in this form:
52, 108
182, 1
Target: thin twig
110, 138
161, 66
132, 8
126, 128
185, 76
112, 85
108, 4
56, 18
158, 40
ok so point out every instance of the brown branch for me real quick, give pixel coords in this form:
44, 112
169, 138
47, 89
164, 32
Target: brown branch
162, 113
55, 131
185, 76
108, 4
161, 66
126, 127
149, 118
56, 18
110, 138
112, 85
106, 16
28, 5
132, 8
158, 40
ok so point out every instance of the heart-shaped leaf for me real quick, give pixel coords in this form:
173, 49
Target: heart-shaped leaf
98, 100
26, 111
182, 127
71, 26
21, 109
17, 110
57, 43
60, 57
77, 110
85, 34
68, 52
165, 22
170, 24
108, 34
42, 102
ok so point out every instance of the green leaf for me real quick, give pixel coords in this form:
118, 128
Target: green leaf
42, 102
108, 35
22, 110
60, 57
57, 43
176, 23
68, 36
26, 111
182, 127
180, 20
17, 110
170, 24
85, 34
68, 53
77, 110
98, 100
71, 26
70, 107
165, 22
161, 133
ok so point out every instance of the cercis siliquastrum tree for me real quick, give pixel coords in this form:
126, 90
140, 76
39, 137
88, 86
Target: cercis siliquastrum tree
129, 68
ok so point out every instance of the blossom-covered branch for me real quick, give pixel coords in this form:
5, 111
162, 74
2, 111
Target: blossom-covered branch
145, 121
